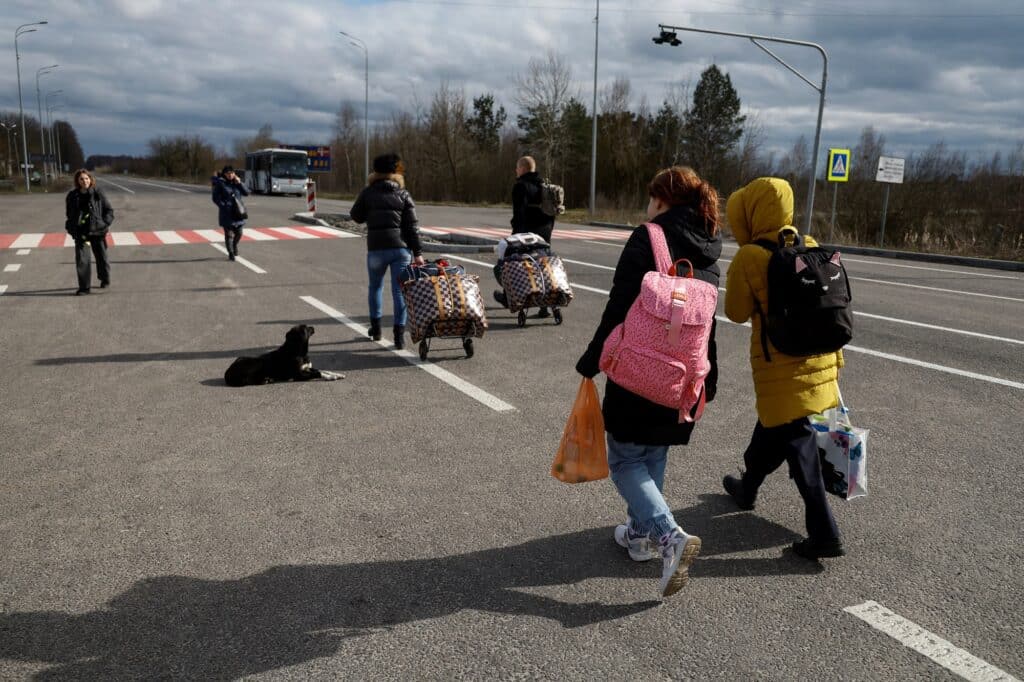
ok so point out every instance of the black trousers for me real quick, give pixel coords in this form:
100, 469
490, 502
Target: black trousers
793, 443
232, 235
83, 262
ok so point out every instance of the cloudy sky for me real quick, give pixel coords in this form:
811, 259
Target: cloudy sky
919, 71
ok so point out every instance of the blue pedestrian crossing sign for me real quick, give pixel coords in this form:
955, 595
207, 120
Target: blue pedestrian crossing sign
838, 165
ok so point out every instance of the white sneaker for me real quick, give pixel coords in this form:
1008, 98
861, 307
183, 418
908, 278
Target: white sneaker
677, 555
639, 548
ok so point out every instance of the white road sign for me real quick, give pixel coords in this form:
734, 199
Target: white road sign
890, 169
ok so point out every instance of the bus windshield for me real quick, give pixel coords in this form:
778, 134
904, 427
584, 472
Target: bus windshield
289, 166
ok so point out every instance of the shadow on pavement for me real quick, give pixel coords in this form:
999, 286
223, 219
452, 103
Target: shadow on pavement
183, 627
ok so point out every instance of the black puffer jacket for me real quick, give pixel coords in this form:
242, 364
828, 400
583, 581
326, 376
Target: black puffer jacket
628, 417
526, 213
88, 218
389, 213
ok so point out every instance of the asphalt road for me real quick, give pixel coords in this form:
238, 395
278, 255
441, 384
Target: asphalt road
156, 524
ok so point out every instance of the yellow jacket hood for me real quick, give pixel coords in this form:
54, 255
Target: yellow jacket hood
759, 209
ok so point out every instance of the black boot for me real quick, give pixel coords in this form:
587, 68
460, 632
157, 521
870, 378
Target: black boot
375, 329
399, 336
738, 492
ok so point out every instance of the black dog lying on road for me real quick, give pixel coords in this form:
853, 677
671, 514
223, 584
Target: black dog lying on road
290, 362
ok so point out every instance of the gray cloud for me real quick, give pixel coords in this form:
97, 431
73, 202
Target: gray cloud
919, 71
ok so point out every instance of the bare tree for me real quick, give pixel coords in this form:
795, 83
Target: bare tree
542, 93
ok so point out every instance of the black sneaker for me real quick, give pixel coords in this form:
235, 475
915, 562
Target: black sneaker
501, 298
543, 312
814, 550
734, 486
81, 292
104, 283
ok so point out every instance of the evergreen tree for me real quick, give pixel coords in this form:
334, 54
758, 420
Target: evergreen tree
713, 125
485, 125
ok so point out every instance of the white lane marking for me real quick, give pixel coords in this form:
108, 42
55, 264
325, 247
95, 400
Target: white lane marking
170, 237
292, 232
124, 238
256, 234
69, 240
238, 259
12, 267
111, 182
576, 285
3, 289
24, 252
29, 240
210, 235
334, 232
591, 265
153, 184
921, 267
1004, 339
447, 377
938, 368
590, 241
855, 349
920, 286
946, 291
913, 636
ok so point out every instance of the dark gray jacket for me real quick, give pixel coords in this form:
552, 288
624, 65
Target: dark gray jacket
98, 214
389, 213
224, 195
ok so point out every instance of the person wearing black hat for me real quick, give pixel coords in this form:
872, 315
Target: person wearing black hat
392, 238
228, 191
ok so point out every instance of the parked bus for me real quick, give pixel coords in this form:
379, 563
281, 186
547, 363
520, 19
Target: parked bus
276, 171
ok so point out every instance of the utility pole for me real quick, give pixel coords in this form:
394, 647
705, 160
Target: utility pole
21, 108
593, 134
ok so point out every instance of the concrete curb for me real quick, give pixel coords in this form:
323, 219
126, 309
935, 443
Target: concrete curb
310, 218
969, 261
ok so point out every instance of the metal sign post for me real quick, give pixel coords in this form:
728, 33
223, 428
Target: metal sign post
890, 171
838, 171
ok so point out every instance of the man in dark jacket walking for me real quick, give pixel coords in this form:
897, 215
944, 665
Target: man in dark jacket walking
527, 216
88, 218
228, 191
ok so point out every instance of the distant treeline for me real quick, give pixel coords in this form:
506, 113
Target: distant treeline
463, 149
65, 141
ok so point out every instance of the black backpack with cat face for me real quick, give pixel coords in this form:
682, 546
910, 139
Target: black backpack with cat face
809, 311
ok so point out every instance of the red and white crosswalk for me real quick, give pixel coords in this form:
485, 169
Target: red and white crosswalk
36, 240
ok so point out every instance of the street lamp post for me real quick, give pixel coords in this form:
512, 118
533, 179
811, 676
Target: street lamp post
17, 61
42, 71
593, 133
366, 99
54, 151
668, 36
8, 127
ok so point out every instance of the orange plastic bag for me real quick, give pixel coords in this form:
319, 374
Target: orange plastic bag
581, 454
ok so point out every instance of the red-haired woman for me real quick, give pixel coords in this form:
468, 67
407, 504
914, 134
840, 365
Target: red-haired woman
640, 432
89, 216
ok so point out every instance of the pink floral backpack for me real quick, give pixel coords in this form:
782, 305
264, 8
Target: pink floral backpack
660, 351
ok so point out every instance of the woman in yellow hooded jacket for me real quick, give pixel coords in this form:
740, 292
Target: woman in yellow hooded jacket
788, 388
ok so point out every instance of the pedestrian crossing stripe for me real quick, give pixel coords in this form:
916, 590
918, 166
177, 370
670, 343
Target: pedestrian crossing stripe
838, 165
42, 240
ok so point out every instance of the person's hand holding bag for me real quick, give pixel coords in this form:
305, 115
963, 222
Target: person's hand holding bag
581, 454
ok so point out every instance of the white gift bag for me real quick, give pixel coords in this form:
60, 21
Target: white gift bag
843, 449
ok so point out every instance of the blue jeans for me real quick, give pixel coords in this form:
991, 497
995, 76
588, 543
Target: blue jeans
638, 472
377, 263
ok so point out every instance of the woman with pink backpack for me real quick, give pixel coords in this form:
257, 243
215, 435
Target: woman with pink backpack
682, 234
